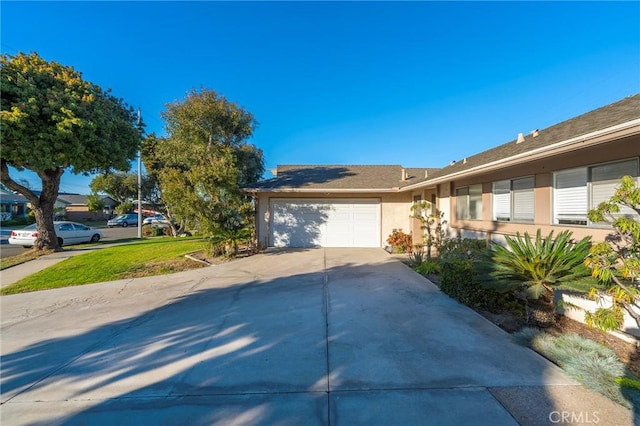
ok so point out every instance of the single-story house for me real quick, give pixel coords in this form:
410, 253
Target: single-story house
77, 207
547, 179
12, 205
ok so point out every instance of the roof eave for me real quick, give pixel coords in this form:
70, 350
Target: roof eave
598, 137
320, 190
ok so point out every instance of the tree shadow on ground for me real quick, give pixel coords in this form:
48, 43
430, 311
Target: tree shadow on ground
267, 351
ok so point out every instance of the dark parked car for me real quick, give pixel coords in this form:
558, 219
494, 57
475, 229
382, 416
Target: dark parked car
124, 220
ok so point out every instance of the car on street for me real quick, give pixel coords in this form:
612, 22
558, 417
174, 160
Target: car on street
124, 220
156, 219
67, 233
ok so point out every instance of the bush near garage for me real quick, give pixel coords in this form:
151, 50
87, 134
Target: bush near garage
400, 241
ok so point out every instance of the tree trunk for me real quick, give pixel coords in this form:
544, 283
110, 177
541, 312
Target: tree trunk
42, 206
47, 239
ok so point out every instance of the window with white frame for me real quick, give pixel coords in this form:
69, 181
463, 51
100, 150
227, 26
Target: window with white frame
576, 191
513, 200
469, 202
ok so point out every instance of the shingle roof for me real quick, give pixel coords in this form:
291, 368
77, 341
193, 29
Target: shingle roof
73, 199
616, 113
358, 177
10, 197
349, 177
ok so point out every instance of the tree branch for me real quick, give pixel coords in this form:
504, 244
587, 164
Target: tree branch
15, 186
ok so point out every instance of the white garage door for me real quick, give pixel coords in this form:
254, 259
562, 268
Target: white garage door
325, 223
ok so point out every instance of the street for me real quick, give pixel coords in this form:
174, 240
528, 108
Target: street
110, 234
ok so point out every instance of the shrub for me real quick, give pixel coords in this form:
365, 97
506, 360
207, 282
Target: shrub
462, 248
416, 257
616, 261
428, 268
400, 241
459, 279
589, 362
152, 231
531, 269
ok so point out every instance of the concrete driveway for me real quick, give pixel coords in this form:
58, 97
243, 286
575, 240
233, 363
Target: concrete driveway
322, 336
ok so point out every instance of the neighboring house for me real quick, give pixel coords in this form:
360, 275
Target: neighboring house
77, 207
12, 206
547, 179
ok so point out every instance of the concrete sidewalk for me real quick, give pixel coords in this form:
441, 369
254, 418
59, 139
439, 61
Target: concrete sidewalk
323, 336
16, 273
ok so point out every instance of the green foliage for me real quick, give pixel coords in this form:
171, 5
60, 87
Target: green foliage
431, 222
51, 120
589, 362
124, 207
459, 279
430, 267
532, 268
616, 262
628, 382
416, 258
400, 241
226, 241
462, 248
204, 162
154, 231
95, 203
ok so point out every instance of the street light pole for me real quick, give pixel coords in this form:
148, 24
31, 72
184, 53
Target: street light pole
139, 185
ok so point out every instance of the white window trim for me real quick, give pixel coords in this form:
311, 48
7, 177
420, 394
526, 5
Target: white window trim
467, 202
501, 216
588, 189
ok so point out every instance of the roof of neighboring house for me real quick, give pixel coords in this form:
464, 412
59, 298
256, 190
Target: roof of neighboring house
9, 197
72, 199
75, 199
620, 112
340, 177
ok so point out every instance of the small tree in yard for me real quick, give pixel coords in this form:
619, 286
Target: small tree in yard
51, 121
95, 203
204, 162
431, 222
615, 262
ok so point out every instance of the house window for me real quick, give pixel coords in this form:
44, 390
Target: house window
513, 200
469, 202
576, 191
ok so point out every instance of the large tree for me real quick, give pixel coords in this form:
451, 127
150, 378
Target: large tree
205, 161
53, 120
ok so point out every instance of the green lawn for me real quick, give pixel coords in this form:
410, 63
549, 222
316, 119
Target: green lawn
139, 258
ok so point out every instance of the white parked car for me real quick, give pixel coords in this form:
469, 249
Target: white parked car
156, 219
67, 233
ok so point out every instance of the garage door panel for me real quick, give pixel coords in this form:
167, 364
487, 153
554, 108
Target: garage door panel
326, 223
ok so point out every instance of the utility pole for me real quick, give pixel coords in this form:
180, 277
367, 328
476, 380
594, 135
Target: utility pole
139, 183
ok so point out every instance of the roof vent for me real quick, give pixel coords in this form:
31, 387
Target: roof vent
404, 174
534, 133
452, 163
426, 173
520, 138
464, 161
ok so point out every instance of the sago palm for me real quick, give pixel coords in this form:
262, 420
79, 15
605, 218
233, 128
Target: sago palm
531, 269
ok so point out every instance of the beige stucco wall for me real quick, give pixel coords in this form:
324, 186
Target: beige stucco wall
542, 170
394, 211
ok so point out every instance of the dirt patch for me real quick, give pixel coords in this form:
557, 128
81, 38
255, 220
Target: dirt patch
176, 265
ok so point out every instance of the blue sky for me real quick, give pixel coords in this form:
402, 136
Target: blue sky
414, 83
